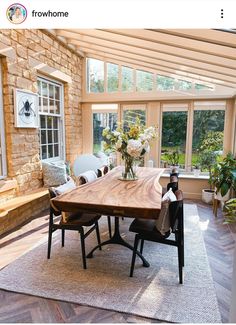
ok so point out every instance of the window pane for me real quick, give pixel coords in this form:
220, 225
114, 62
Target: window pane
44, 152
50, 151
184, 85
55, 136
201, 86
43, 137
55, 123
127, 79
51, 91
43, 122
57, 92
144, 81
52, 106
100, 122
205, 121
45, 105
130, 116
49, 136
44, 89
95, 76
57, 107
49, 122
56, 151
174, 129
112, 77
165, 83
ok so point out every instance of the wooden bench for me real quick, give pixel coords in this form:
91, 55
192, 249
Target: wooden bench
17, 211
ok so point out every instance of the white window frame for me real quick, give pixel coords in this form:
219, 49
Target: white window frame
3, 172
61, 133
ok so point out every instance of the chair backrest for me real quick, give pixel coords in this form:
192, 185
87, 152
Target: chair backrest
176, 212
102, 171
53, 194
84, 163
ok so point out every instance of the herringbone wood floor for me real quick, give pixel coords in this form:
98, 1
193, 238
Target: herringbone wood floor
20, 308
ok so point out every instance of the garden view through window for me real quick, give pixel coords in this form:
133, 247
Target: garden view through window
173, 141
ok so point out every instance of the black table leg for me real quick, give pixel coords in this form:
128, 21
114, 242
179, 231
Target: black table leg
117, 239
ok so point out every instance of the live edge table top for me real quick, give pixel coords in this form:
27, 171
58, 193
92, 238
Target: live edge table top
110, 196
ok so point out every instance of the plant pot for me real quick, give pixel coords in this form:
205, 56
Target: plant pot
207, 196
224, 198
196, 172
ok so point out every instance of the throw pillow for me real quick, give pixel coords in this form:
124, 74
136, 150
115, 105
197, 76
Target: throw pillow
53, 175
70, 185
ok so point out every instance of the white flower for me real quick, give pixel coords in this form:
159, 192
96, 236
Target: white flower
142, 137
134, 148
146, 146
116, 133
118, 144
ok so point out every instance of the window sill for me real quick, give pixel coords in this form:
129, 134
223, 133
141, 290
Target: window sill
7, 185
187, 176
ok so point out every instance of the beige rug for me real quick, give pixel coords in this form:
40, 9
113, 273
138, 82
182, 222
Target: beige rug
153, 292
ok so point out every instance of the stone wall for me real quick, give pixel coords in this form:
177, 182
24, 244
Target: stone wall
19, 48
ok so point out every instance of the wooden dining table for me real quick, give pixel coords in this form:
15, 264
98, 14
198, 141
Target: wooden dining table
109, 195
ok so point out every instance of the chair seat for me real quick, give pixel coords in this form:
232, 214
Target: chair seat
146, 227
78, 219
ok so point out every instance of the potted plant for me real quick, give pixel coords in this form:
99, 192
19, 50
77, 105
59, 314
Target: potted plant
223, 177
196, 169
208, 159
230, 217
173, 160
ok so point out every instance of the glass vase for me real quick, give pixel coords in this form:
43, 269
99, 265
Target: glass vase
129, 170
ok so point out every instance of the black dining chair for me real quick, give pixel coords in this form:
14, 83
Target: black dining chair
145, 229
75, 221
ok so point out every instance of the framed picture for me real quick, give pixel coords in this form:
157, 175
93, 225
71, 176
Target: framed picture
26, 109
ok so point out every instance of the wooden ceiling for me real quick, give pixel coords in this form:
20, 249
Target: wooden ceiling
197, 54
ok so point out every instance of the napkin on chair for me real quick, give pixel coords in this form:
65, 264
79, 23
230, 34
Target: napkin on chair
89, 176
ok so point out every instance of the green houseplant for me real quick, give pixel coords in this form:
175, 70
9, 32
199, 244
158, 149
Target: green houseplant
223, 176
173, 159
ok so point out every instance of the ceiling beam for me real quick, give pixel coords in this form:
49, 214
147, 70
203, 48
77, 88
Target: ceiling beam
149, 54
107, 37
206, 35
180, 42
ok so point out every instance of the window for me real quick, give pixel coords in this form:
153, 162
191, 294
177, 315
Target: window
165, 83
127, 75
3, 168
51, 119
103, 116
208, 120
132, 112
184, 85
112, 77
174, 131
95, 76
144, 81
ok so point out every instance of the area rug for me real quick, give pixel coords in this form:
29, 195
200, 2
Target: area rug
153, 292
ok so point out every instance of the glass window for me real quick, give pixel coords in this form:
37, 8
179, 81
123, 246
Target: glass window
165, 83
95, 76
202, 87
144, 81
112, 77
173, 141
184, 85
208, 122
127, 79
132, 112
50, 110
100, 122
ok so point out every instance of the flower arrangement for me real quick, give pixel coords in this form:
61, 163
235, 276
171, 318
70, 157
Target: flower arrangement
133, 142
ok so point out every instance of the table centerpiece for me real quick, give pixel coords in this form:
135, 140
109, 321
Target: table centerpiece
132, 142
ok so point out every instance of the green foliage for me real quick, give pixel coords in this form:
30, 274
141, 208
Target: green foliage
223, 175
213, 141
173, 158
230, 211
